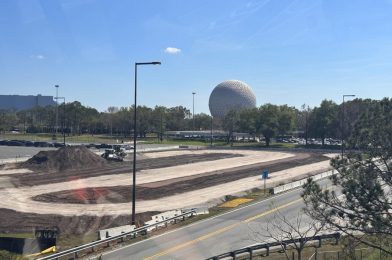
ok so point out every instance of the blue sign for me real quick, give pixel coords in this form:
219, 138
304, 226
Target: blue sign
265, 174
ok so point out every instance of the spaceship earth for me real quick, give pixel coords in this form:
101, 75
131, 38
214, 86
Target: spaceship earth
229, 95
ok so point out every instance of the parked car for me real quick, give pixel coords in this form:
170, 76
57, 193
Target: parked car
14, 143
42, 144
57, 144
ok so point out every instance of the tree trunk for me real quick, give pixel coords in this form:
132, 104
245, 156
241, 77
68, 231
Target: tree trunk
229, 137
267, 141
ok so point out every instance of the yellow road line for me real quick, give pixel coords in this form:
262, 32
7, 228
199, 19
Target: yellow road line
219, 231
272, 210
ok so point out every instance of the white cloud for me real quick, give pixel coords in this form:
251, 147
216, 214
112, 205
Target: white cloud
172, 50
37, 56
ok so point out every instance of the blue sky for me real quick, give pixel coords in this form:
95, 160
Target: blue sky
289, 52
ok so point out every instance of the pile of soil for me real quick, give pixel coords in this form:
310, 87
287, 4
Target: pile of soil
65, 158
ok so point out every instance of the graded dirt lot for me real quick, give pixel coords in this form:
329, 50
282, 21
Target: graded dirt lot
156, 190
166, 180
39, 177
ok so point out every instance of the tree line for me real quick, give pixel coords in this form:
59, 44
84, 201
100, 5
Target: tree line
268, 120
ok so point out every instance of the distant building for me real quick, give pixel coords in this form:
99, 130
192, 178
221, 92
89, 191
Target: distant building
230, 95
18, 102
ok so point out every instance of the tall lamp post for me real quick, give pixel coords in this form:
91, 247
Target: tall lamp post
57, 108
212, 121
134, 139
193, 110
63, 124
343, 125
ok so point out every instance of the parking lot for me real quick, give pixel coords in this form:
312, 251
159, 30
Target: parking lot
10, 152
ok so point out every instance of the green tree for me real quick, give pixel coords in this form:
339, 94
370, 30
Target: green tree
230, 123
248, 121
202, 121
324, 121
176, 118
365, 181
286, 119
268, 121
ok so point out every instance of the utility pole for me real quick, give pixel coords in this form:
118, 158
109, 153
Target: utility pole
57, 107
161, 136
211, 129
193, 111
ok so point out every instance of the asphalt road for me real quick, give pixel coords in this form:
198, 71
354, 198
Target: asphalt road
233, 230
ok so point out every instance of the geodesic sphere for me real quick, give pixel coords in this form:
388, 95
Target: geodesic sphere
231, 95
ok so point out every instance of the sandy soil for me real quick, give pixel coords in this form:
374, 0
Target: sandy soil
159, 189
20, 200
179, 167
115, 168
14, 171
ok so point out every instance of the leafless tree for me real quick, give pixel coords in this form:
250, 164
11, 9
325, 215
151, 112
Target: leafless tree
298, 230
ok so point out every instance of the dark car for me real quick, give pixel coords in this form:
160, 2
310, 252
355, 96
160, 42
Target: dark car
104, 146
57, 144
29, 143
42, 144
14, 143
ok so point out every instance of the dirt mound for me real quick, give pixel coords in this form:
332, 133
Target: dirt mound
65, 158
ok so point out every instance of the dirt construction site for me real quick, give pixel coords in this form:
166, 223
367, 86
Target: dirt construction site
77, 191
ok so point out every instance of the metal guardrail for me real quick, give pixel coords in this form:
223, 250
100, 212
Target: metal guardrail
122, 237
299, 183
266, 246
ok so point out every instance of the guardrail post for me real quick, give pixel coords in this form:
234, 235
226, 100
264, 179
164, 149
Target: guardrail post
250, 253
76, 255
233, 255
337, 236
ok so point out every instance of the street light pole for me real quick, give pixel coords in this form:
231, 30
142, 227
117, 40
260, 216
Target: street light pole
161, 136
63, 124
193, 111
212, 118
57, 107
134, 139
343, 125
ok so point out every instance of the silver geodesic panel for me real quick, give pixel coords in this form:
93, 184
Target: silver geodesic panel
229, 95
